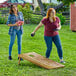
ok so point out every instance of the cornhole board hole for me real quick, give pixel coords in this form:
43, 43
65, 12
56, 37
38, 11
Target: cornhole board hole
40, 60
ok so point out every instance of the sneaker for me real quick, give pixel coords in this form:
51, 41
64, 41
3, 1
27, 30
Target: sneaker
10, 58
20, 58
62, 61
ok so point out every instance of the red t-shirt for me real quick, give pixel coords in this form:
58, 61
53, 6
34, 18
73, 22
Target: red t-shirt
50, 27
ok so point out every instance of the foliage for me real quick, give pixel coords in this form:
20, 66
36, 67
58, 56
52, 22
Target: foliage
52, 5
26, 12
29, 17
48, 4
5, 8
3, 20
63, 9
35, 19
61, 17
19, 7
45, 6
67, 2
37, 9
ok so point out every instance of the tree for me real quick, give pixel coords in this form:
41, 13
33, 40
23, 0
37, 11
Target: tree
67, 2
50, 1
32, 1
41, 6
64, 2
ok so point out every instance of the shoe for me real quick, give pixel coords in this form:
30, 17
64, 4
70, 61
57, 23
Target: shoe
10, 58
62, 62
20, 58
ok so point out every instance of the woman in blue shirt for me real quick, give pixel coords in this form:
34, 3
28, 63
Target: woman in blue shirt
14, 29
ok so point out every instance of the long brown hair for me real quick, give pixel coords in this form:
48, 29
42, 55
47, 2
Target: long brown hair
48, 13
11, 10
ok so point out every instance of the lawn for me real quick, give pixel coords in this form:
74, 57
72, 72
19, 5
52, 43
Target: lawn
37, 44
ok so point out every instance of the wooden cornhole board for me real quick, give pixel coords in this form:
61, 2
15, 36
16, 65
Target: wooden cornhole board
40, 60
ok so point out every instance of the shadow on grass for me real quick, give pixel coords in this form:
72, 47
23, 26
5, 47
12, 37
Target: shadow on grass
30, 65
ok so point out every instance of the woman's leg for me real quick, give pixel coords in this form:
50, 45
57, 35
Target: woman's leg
57, 42
19, 41
12, 39
48, 41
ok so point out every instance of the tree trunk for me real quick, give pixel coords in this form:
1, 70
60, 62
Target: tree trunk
41, 6
33, 1
50, 1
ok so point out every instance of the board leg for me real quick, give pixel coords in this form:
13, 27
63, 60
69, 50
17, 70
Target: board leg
19, 61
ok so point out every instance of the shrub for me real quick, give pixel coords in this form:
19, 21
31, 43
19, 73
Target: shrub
5, 8
37, 9
26, 12
52, 4
61, 17
29, 17
35, 19
3, 20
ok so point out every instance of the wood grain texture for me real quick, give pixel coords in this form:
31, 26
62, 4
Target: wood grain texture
40, 60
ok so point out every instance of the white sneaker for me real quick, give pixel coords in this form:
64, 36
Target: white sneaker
62, 62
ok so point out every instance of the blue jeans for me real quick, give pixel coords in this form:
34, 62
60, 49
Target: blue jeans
57, 42
12, 39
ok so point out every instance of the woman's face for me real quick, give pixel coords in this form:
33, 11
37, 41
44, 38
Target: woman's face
52, 13
14, 8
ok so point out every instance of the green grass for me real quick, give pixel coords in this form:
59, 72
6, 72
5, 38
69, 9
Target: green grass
37, 44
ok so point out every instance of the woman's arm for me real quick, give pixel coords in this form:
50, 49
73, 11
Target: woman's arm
11, 25
8, 21
40, 24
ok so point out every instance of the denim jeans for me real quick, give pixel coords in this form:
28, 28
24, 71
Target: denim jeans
12, 39
57, 42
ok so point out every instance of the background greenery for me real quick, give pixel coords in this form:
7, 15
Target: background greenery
61, 17
29, 17
37, 44
52, 5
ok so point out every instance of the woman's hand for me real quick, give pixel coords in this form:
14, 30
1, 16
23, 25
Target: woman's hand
32, 34
19, 23
22, 22
16, 24
58, 28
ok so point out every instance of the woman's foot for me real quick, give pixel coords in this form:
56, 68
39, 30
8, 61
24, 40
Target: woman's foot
10, 58
20, 58
62, 61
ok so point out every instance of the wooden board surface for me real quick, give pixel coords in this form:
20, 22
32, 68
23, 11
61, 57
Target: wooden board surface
40, 60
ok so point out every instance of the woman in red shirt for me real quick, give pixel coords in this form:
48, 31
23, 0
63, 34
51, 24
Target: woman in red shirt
51, 26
